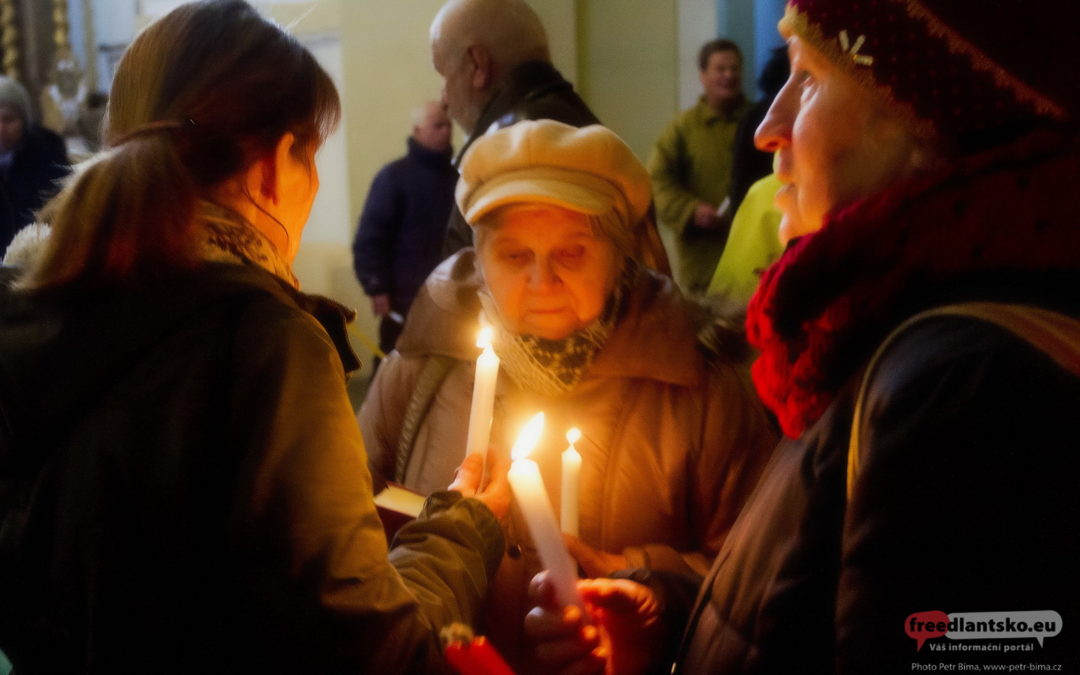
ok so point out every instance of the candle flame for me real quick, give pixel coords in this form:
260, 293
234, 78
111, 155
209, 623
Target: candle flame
483, 338
573, 435
529, 437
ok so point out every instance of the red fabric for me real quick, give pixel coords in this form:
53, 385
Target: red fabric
833, 296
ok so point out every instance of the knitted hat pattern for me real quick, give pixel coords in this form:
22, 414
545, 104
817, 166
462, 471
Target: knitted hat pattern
1007, 67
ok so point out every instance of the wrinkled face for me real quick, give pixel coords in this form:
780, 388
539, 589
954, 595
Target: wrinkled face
434, 131
722, 77
459, 97
11, 129
548, 272
835, 143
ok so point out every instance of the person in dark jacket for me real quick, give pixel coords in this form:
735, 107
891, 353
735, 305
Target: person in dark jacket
496, 67
920, 346
32, 161
748, 164
400, 237
183, 487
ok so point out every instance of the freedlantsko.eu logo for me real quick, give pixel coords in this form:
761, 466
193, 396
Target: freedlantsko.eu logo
1039, 625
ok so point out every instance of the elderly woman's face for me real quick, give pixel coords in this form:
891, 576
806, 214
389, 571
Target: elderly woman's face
836, 144
547, 271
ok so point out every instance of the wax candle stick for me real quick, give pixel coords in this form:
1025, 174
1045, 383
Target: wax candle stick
571, 484
532, 499
483, 399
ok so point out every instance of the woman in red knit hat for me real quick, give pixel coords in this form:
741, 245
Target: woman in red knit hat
920, 347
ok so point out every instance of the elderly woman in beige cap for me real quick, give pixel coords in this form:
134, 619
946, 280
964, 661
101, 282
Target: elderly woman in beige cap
673, 438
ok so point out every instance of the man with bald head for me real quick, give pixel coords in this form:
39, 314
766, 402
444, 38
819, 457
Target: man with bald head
496, 68
401, 231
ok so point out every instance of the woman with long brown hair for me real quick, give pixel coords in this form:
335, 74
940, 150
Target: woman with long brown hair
182, 483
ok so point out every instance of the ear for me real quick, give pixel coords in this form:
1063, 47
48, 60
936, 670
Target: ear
268, 184
483, 66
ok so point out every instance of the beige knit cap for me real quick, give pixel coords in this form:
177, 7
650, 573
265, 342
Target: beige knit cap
589, 170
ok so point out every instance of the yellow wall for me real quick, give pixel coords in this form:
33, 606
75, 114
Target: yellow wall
627, 66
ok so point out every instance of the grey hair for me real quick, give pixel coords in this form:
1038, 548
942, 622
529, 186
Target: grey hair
15, 96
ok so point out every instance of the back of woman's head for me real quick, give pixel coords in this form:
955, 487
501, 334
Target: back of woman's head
197, 98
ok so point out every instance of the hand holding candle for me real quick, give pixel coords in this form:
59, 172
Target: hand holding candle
571, 482
483, 399
535, 506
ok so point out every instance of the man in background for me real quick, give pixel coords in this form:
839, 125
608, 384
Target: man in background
32, 161
494, 59
690, 165
399, 240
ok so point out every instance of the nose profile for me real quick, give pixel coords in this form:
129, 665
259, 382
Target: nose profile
774, 132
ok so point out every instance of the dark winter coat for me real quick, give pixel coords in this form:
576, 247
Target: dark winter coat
400, 237
183, 488
38, 164
967, 503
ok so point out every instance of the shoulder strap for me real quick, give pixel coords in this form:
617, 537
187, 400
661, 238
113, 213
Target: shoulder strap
1054, 334
434, 371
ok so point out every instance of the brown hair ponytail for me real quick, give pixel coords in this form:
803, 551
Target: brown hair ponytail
197, 98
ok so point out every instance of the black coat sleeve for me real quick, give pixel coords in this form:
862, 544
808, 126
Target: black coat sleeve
373, 247
966, 500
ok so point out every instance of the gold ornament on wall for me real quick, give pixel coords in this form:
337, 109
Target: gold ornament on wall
9, 39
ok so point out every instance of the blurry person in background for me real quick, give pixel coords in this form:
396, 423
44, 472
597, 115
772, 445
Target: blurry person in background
32, 161
691, 162
400, 237
920, 346
495, 63
183, 486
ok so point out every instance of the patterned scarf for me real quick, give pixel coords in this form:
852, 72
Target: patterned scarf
552, 368
224, 236
823, 308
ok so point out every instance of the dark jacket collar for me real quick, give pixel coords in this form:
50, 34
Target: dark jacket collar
427, 156
524, 84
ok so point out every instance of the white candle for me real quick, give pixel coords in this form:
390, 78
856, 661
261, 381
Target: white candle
535, 506
483, 397
571, 483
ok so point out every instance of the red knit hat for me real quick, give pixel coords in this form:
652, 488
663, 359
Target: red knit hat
961, 69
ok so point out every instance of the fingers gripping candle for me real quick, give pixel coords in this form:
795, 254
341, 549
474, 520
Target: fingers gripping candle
535, 506
483, 398
571, 481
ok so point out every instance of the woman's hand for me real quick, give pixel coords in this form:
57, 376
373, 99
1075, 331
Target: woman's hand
496, 492
595, 563
625, 635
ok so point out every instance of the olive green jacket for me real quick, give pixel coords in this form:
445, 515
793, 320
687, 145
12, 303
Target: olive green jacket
183, 488
691, 163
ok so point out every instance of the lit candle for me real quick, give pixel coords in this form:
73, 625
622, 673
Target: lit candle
483, 397
535, 506
571, 481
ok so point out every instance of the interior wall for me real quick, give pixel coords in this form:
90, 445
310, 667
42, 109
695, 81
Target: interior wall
628, 65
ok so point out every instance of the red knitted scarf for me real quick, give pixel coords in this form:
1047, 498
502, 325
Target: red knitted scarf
822, 309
